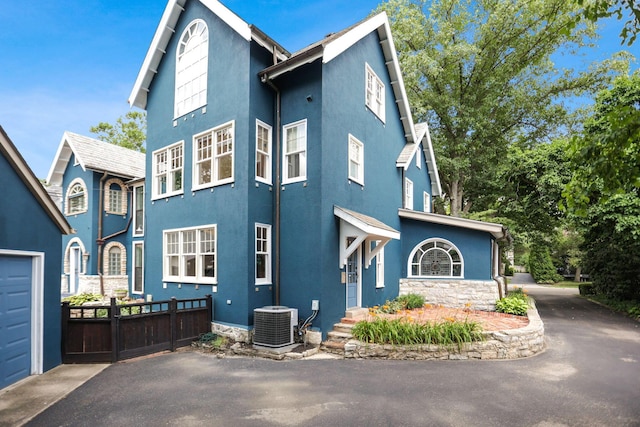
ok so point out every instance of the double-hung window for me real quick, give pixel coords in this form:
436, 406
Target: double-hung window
374, 93
263, 152
138, 206
263, 254
213, 156
426, 202
167, 171
356, 160
190, 255
408, 194
295, 152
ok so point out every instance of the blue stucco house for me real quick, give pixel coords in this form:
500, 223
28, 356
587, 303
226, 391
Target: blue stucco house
31, 229
99, 188
293, 179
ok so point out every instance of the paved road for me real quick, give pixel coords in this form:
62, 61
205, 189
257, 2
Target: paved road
588, 376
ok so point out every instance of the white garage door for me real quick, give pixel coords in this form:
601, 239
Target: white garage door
15, 318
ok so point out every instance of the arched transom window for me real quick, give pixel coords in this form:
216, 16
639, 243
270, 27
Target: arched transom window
436, 258
192, 68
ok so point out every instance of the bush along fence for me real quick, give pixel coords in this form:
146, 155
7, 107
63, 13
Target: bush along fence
108, 333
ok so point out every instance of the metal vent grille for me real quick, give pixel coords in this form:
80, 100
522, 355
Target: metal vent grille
273, 325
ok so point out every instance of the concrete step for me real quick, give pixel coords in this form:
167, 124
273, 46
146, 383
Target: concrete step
339, 336
343, 327
356, 313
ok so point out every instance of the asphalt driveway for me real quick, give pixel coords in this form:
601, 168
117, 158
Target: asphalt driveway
588, 376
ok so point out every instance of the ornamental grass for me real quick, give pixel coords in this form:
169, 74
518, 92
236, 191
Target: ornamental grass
405, 331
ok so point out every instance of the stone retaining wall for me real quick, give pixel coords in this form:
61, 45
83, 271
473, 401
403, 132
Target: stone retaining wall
478, 294
508, 344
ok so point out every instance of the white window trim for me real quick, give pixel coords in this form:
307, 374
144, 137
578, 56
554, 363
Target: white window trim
181, 278
83, 209
408, 194
137, 233
180, 102
268, 179
431, 240
303, 165
266, 280
214, 156
426, 202
154, 183
377, 105
380, 269
359, 161
133, 268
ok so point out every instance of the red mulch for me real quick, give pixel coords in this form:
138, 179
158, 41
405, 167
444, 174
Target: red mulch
489, 320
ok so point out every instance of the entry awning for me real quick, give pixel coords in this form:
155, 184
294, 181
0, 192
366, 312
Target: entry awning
362, 229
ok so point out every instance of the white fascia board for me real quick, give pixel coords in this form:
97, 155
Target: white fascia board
496, 230
344, 42
363, 226
436, 187
230, 18
61, 160
164, 32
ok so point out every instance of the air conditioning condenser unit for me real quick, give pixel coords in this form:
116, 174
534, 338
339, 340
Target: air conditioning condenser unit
273, 325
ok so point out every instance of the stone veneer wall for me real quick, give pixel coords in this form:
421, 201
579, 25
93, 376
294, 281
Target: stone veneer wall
507, 344
235, 333
481, 295
91, 284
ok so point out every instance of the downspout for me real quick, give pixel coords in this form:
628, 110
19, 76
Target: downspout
100, 240
496, 267
265, 79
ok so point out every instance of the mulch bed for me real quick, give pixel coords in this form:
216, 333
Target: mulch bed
488, 320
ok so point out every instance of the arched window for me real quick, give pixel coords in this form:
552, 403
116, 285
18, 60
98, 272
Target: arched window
115, 259
115, 197
192, 68
436, 258
76, 200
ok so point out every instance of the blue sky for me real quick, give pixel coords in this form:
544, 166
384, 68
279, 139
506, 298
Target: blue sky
70, 64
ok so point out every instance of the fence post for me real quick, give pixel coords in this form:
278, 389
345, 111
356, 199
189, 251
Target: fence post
173, 307
209, 308
66, 313
114, 331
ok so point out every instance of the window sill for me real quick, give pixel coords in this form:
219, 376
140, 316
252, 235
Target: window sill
166, 196
189, 281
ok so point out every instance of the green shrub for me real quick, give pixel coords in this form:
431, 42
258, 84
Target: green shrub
541, 265
79, 299
411, 301
586, 289
405, 332
516, 302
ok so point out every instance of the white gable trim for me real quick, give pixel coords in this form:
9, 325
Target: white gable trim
166, 30
351, 37
496, 230
364, 229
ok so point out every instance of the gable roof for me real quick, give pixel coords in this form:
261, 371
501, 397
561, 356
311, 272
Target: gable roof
15, 159
335, 44
410, 149
166, 30
95, 155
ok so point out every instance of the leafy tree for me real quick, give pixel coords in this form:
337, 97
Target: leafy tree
480, 73
612, 246
534, 180
599, 9
606, 157
541, 265
129, 131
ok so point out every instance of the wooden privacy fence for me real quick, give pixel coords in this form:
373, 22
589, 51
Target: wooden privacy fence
108, 333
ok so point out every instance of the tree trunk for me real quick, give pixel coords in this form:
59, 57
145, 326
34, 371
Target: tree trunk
455, 197
576, 278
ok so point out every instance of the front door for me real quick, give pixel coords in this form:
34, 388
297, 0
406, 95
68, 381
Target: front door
353, 278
